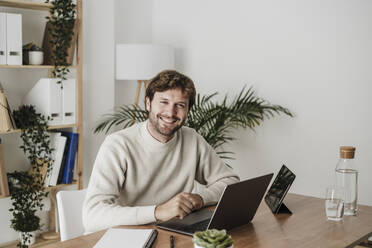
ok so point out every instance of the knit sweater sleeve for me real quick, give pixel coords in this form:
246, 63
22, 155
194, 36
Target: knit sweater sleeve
213, 173
101, 208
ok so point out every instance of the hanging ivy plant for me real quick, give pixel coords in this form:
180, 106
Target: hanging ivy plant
62, 18
27, 188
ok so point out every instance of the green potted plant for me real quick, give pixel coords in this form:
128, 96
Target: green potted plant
212, 238
35, 55
32, 54
212, 120
26, 198
27, 188
61, 23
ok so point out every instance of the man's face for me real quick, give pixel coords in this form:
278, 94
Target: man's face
167, 113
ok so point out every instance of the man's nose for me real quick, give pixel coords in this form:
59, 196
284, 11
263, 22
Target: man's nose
171, 110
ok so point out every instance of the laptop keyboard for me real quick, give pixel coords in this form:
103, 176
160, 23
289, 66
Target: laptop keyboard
199, 226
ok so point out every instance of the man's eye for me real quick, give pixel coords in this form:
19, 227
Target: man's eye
163, 102
181, 106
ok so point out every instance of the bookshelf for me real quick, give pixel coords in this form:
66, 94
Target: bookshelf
78, 126
49, 128
24, 4
50, 67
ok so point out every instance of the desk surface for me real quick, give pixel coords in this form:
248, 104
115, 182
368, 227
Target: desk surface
306, 227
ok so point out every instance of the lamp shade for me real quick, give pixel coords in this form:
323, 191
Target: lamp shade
142, 61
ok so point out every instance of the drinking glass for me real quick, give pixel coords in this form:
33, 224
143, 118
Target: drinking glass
334, 203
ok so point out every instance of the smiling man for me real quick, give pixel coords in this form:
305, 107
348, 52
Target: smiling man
146, 173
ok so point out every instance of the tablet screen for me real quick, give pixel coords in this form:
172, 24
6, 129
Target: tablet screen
279, 188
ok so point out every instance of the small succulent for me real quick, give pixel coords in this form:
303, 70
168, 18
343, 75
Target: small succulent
212, 238
31, 47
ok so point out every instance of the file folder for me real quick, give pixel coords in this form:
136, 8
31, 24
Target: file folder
2, 38
14, 39
69, 101
46, 96
58, 152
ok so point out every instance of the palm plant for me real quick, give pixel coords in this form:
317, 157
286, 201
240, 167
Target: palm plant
212, 120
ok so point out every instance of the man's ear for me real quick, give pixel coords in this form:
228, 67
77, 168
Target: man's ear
148, 104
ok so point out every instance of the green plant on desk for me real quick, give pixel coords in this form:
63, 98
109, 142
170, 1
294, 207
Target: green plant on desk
212, 238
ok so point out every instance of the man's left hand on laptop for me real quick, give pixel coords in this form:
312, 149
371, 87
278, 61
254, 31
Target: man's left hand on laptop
179, 206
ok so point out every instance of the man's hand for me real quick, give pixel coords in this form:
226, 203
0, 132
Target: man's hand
179, 206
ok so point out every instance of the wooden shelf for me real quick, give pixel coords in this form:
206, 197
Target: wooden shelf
27, 66
50, 128
40, 242
31, 66
61, 186
23, 4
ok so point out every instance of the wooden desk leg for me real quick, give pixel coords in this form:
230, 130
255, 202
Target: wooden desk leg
53, 218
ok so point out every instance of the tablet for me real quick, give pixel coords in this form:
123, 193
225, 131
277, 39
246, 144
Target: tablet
278, 190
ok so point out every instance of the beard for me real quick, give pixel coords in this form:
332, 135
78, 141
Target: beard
165, 131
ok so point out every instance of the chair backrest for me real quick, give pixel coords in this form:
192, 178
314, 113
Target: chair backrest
70, 205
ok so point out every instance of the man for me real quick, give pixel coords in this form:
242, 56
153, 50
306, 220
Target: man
146, 173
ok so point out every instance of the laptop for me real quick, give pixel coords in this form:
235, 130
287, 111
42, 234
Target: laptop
237, 206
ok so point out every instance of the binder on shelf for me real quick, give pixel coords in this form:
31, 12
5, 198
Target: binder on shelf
14, 39
63, 164
4, 189
58, 143
46, 96
2, 38
61, 145
69, 166
69, 101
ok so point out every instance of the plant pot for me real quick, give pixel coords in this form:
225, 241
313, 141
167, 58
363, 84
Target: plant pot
35, 57
196, 246
30, 240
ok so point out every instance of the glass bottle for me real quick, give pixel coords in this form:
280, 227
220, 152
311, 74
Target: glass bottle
347, 177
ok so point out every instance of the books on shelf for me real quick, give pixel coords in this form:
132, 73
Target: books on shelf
65, 146
58, 143
70, 157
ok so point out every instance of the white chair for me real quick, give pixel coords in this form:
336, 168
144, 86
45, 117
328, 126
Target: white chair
70, 205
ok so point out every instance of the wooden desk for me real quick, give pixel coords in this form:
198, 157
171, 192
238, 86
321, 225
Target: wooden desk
306, 227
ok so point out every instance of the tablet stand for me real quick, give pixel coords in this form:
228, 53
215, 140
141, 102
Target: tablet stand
283, 209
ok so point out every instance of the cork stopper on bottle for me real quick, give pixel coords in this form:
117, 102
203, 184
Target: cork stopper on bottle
347, 151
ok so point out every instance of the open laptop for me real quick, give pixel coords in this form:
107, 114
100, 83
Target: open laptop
237, 206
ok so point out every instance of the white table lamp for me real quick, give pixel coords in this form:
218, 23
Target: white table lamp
142, 62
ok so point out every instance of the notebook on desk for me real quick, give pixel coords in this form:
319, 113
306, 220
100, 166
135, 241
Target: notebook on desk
134, 238
237, 206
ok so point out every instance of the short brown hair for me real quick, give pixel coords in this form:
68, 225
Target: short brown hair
170, 79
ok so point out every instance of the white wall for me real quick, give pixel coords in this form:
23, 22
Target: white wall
133, 24
313, 57
98, 77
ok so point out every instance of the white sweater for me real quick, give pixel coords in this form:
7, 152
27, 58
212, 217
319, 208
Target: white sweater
134, 172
